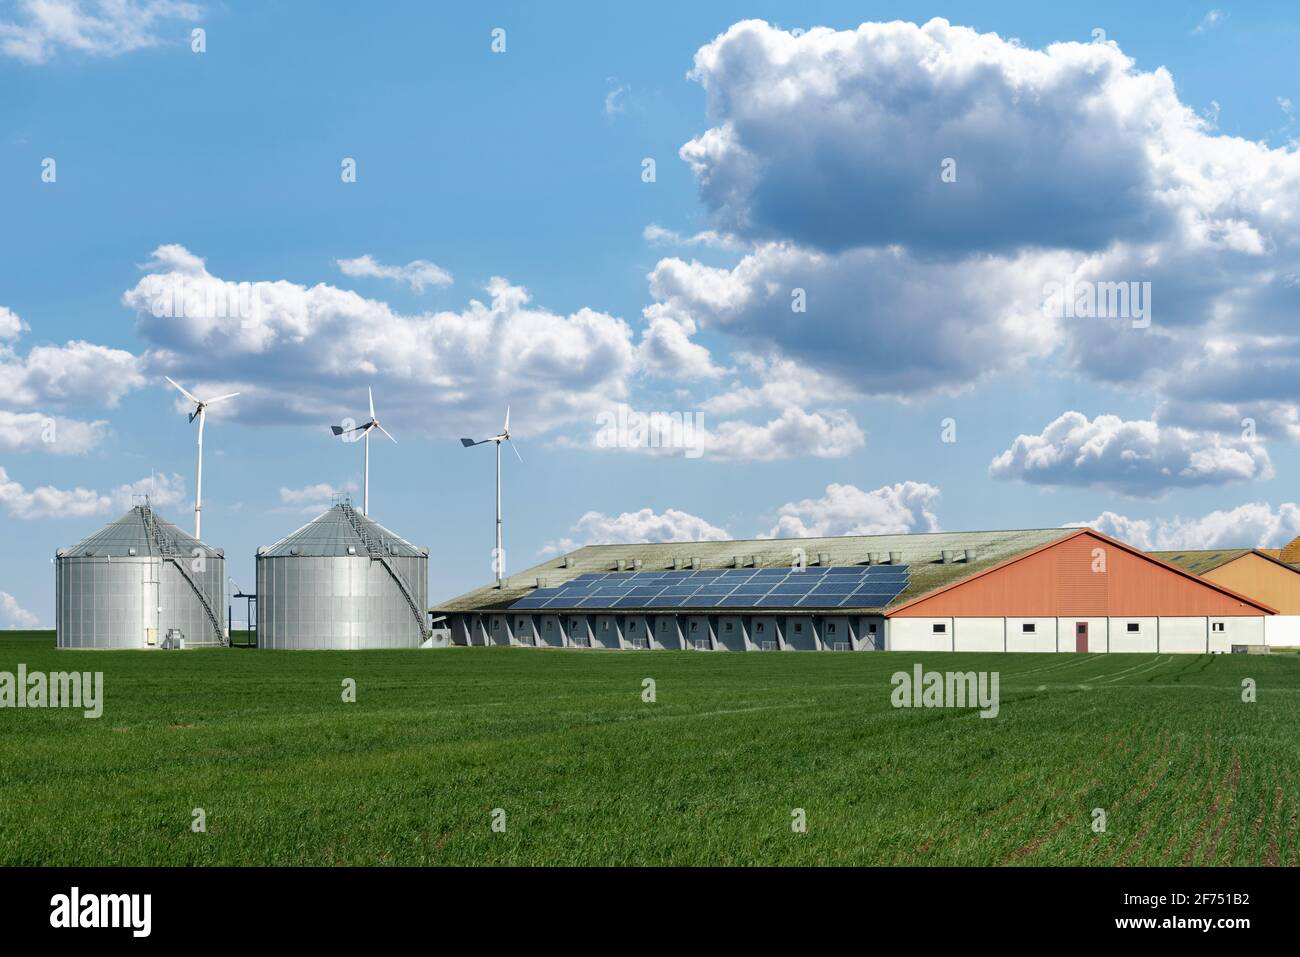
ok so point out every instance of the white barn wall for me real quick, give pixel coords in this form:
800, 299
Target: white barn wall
979, 634
1098, 634
1122, 640
1185, 636
917, 634
1279, 631
1042, 638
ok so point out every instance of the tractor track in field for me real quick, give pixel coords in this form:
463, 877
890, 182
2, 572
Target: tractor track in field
1201, 829
1235, 781
1136, 757
1111, 746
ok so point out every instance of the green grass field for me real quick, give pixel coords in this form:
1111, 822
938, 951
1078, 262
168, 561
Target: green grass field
588, 773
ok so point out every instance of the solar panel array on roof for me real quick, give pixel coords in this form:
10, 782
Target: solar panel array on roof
854, 586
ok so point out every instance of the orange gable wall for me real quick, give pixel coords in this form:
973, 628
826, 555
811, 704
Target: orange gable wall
1058, 581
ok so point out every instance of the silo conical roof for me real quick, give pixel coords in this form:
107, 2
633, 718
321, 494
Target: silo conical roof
335, 531
117, 539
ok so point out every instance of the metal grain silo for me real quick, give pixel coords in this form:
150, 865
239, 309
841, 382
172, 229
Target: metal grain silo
342, 581
135, 582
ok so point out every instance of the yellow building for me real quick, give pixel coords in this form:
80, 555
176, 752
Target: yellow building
1255, 573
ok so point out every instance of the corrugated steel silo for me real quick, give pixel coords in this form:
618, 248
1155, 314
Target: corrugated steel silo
132, 582
342, 581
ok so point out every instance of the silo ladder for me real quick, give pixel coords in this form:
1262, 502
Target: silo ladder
375, 549
167, 549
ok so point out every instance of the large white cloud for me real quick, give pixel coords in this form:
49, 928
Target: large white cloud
49, 501
1141, 457
882, 319
848, 510
35, 432
94, 27
14, 615
835, 139
643, 525
450, 373
1254, 525
76, 373
1073, 166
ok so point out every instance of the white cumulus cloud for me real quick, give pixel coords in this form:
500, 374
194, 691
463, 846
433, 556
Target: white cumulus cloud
36, 432
1254, 525
419, 274
41, 28
848, 510
1141, 458
14, 615
49, 501
644, 525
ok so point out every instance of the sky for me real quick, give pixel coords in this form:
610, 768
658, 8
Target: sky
738, 270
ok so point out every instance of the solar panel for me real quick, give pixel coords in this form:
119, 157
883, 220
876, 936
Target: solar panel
865, 586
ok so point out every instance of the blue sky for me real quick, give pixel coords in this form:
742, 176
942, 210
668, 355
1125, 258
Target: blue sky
790, 158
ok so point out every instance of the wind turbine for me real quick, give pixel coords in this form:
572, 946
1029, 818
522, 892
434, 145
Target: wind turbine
503, 436
365, 429
201, 413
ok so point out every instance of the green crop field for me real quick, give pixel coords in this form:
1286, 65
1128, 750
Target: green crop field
586, 772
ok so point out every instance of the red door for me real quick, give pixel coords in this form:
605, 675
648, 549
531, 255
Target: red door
1081, 636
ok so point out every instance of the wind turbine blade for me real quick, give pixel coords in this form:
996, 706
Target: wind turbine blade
370, 393
182, 390
385, 431
222, 398
517, 455
506, 427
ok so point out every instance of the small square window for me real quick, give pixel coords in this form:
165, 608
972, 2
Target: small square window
695, 625
759, 628
798, 628
728, 626
631, 626
940, 628
1028, 628
1217, 626
604, 626
1134, 627
830, 629
549, 625
871, 628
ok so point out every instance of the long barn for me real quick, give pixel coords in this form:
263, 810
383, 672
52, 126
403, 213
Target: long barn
1049, 590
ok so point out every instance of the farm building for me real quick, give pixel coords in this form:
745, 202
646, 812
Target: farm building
139, 582
342, 581
1058, 589
1256, 573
